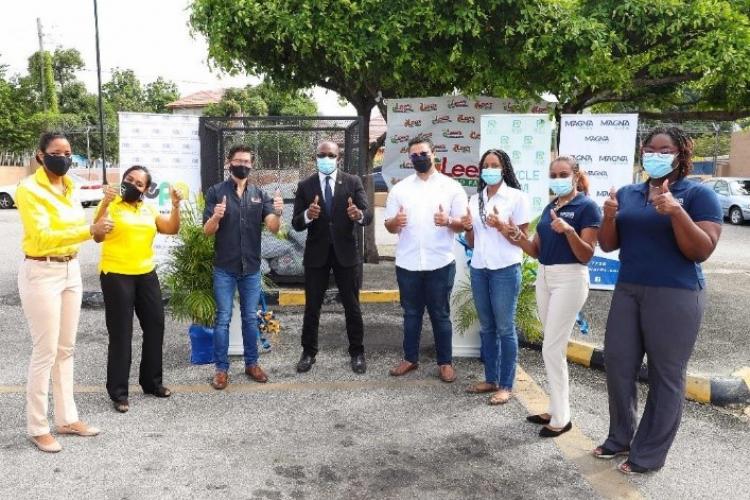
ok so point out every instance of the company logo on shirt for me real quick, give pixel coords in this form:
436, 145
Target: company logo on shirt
567, 215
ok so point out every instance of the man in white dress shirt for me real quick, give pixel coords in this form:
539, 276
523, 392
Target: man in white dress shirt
425, 210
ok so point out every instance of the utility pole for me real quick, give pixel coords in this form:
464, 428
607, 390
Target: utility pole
101, 107
40, 34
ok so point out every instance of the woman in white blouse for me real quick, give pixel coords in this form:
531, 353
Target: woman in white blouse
496, 270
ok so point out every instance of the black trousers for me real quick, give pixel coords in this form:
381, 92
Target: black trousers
123, 295
348, 281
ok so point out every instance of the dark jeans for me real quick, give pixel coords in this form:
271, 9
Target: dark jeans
124, 294
431, 289
316, 282
225, 285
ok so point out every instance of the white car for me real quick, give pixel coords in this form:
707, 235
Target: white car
8, 196
89, 192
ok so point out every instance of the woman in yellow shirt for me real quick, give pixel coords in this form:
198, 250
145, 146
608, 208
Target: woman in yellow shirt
49, 283
130, 284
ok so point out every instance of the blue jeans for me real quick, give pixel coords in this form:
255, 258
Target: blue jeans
496, 296
225, 284
431, 289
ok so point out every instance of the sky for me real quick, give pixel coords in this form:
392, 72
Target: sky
151, 37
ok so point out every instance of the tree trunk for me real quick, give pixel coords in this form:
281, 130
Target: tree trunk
371, 247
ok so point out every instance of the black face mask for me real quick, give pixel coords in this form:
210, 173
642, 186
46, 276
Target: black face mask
130, 192
422, 164
58, 165
239, 171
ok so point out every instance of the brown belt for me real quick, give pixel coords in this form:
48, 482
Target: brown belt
54, 258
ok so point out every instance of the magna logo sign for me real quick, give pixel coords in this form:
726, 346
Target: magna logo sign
615, 123
600, 139
620, 160
579, 123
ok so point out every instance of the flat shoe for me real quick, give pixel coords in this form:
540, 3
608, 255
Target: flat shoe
52, 447
160, 392
481, 388
546, 432
500, 398
121, 406
78, 429
538, 419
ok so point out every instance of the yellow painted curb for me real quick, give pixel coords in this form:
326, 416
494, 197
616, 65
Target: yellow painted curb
744, 374
580, 352
698, 389
297, 297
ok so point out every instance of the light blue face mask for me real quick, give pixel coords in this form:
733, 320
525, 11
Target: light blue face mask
561, 185
658, 165
492, 176
326, 166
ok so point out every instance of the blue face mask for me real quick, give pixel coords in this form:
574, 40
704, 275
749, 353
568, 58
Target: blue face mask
658, 165
561, 186
492, 176
326, 166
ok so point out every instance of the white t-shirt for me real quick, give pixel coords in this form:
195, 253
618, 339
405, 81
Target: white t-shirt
423, 246
491, 249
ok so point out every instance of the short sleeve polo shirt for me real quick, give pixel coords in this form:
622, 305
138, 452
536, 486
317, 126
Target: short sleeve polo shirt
649, 254
580, 212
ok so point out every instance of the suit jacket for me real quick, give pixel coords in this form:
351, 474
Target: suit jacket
339, 229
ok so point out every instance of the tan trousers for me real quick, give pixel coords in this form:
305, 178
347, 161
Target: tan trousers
561, 291
51, 299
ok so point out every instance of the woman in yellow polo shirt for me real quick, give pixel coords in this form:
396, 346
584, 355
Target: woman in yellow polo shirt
130, 284
49, 283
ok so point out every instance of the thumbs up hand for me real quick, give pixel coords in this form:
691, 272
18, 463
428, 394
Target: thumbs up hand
493, 219
665, 203
466, 220
441, 218
110, 193
610, 204
313, 211
220, 208
401, 219
352, 210
559, 225
278, 203
103, 226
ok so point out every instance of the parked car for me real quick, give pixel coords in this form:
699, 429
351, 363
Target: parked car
734, 195
8, 196
89, 192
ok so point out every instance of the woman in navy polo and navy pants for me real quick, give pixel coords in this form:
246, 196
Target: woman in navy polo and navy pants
664, 228
564, 243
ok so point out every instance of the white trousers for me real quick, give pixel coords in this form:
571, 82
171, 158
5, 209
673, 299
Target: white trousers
51, 299
561, 291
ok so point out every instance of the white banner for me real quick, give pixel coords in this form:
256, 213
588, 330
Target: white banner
527, 139
168, 146
604, 146
453, 124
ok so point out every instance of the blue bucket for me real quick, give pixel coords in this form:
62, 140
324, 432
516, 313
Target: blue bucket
201, 344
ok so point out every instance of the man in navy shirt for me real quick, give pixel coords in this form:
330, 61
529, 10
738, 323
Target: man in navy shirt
235, 213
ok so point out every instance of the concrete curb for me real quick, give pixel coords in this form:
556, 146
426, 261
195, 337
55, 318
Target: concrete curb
713, 389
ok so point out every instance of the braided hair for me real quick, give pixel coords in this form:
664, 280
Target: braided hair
684, 147
509, 177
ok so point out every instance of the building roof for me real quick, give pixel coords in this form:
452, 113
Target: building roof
198, 100
378, 126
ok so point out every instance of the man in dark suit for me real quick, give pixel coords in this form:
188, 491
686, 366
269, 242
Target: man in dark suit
331, 205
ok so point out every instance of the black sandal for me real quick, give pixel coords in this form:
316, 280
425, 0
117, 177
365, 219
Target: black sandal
628, 467
121, 406
538, 419
604, 453
161, 392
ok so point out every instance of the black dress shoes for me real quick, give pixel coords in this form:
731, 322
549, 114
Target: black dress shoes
305, 363
358, 363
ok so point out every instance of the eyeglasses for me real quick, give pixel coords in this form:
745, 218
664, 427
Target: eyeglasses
423, 154
326, 155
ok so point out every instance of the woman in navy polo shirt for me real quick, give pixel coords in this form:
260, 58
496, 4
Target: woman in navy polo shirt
564, 243
664, 228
